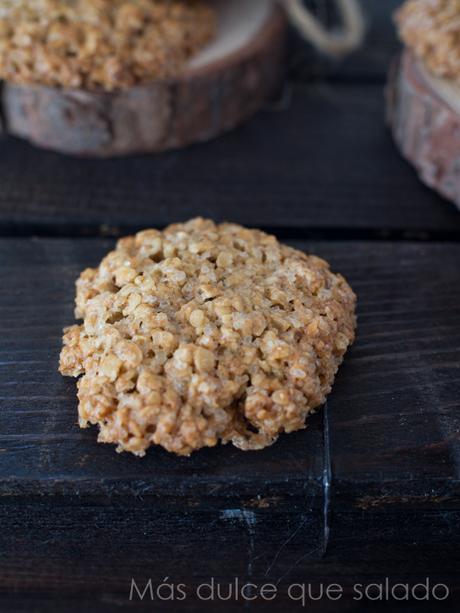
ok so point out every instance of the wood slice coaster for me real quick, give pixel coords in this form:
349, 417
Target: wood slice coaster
424, 115
224, 84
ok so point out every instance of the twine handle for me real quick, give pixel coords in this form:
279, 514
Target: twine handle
335, 43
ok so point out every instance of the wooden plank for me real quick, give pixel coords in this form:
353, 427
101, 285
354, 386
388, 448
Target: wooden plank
323, 166
41, 445
373, 480
401, 380
394, 416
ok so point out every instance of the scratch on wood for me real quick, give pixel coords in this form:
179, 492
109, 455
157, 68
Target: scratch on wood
327, 477
286, 542
296, 563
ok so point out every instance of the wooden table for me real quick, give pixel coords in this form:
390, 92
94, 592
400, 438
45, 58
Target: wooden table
369, 491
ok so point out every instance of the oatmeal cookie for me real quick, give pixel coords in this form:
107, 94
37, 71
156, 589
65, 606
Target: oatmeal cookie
99, 44
431, 29
202, 333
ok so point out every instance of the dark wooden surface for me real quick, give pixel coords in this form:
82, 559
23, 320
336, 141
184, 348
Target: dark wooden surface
324, 164
371, 487
394, 411
370, 490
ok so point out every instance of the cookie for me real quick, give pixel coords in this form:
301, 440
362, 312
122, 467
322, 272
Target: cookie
99, 44
205, 333
431, 29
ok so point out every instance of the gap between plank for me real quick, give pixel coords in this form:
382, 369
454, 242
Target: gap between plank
27, 230
327, 479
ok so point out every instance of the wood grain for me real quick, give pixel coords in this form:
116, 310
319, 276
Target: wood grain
374, 478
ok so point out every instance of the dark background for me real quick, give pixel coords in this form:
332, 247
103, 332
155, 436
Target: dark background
370, 490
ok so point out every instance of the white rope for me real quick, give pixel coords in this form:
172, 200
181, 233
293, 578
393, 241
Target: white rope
336, 43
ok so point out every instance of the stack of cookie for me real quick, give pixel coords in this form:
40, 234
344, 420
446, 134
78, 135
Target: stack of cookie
107, 77
77, 71
100, 44
424, 92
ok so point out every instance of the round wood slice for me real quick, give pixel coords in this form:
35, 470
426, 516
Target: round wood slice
424, 115
224, 84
